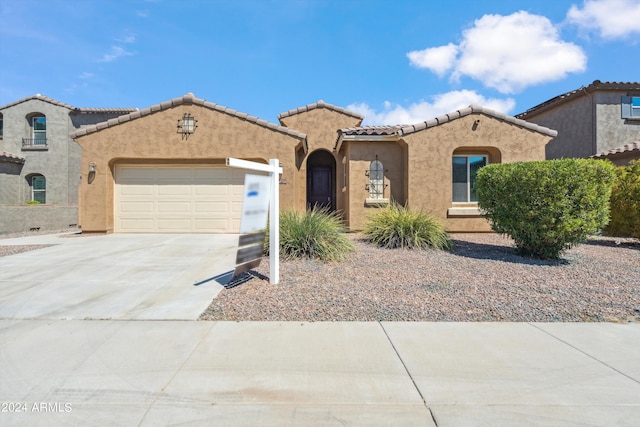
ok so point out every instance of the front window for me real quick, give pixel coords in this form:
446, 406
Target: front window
465, 169
38, 188
39, 126
631, 107
635, 106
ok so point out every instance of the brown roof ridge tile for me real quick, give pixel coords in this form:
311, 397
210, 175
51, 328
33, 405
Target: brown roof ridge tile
627, 148
402, 130
187, 99
11, 158
319, 104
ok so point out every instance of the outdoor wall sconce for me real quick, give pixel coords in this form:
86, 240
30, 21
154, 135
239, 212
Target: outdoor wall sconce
92, 167
187, 125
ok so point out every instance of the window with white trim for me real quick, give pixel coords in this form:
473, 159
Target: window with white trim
38, 185
465, 168
631, 107
39, 130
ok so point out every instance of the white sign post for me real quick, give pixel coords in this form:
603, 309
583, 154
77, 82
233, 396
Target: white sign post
274, 170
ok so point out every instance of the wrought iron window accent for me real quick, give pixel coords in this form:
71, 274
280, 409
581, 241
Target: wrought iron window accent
376, 184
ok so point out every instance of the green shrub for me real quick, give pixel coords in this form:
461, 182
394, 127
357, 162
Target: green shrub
546, 206
33, 202
625, 202
316, 233
396, 226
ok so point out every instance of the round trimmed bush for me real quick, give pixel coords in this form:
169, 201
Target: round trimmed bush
546, 206
625, 202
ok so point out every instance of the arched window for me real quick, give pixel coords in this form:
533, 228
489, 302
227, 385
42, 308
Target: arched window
37, 130
376, 180
38, 185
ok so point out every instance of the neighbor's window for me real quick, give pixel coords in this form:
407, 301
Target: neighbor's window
376, 180
465, 169
631, 107
38, 188
39, 128
1, 125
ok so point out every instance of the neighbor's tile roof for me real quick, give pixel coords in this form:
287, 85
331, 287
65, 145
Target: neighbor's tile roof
584, 90
187, 99
70, 107
319, 104
402, 130
11, 158
105, 110
628, 148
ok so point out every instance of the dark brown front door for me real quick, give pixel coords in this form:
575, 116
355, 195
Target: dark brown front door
320, 187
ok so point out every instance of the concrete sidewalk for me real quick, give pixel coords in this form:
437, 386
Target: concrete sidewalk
150, 373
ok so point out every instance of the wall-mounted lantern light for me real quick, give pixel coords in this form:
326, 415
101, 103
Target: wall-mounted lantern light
187, 125
92, 167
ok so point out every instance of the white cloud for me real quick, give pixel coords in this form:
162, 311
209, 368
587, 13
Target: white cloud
509, 53
437, 59
115, 53
424, 110
613, 19
128, 38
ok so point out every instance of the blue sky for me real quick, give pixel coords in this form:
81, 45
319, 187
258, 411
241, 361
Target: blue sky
393, 61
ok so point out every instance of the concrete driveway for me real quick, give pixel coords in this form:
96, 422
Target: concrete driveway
117, 276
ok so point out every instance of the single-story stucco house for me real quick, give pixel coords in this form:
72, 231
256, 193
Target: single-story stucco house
163, 168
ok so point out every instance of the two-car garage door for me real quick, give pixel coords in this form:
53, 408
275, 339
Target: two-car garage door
178, 199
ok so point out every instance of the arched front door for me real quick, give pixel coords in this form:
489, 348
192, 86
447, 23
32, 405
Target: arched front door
321, 178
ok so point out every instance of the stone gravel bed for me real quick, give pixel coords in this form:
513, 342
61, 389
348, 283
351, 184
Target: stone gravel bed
482, 279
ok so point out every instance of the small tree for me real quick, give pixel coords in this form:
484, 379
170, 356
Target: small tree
625, 202
546, 206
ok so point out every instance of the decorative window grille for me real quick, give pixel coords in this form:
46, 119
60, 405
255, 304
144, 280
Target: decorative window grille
376, 184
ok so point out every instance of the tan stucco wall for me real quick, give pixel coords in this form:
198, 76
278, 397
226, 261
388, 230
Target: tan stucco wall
154, 138
321, 126
428, 171
393, 156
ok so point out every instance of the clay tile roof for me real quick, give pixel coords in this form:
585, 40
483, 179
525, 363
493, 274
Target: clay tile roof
70, 107
41, 98
401, 130
319, 104
584, 90
104, 110
372, 130
10, 158
628, 148
187, 99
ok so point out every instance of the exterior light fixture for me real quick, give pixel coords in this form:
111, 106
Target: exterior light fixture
92, 167
187, 125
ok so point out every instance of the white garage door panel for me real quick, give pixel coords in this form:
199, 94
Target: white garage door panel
178, 199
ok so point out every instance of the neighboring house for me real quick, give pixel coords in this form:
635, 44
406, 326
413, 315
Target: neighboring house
591, 120
163, 168
39, 161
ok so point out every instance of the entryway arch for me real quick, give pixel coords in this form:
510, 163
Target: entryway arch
321, 180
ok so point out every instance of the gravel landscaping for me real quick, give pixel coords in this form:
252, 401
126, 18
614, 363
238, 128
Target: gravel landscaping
482, 279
